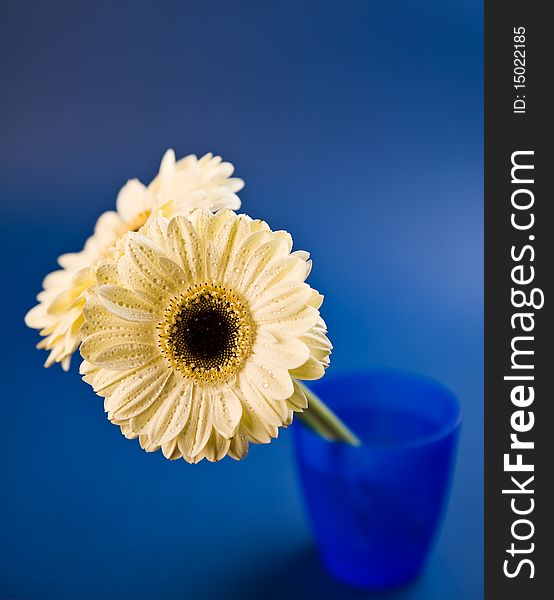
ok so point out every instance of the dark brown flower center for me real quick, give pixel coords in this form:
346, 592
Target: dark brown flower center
207, 333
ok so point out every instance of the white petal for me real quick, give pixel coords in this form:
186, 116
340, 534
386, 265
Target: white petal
134, 279
238, 447
212, 263
226, 412
174, 272
172, 415
204, 424
156, 229
98, 317
141, 422
298, 400
167, 166
145, 256
285, 353
259, 421
198, 428
311, 369
237, 234
283, 301
238, 261
146, 445
105, 339
136, 394
201, 219
126, 304
269, 381
226, 235
255, 402
106, 274
287, 269
296, 324
215, 449
302, 254
316, 300
267, 254
186, 247
171, 450
122, 356
219, 226
132, 200
317, 341
105, 381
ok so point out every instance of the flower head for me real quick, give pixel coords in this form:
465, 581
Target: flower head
196, 333
178, 188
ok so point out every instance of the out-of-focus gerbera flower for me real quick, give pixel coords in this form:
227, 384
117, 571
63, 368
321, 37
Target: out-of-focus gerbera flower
178, 188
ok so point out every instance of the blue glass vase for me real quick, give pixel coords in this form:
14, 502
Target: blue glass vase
376, 509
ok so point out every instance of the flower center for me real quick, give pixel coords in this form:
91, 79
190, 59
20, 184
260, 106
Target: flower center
207, 333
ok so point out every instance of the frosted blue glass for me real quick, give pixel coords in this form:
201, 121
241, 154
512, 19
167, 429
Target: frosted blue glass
376, 510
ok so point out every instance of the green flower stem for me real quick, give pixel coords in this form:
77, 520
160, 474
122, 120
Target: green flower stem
319, 418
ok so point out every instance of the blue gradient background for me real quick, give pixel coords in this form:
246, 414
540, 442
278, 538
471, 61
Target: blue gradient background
358, 127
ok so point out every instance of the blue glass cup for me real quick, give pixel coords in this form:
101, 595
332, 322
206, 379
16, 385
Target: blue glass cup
376, 509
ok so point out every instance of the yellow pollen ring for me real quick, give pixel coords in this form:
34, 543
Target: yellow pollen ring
207, 333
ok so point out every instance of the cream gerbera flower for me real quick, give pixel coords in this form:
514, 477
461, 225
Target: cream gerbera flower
196, 334
179, 187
